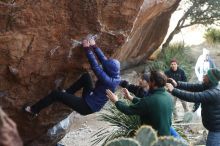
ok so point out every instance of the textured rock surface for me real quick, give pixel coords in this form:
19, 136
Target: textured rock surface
8, 131
38, 49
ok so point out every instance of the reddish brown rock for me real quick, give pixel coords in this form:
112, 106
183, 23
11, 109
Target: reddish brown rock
38, 49
8, 131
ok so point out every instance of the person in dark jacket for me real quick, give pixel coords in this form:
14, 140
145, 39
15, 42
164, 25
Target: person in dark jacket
208, 94
93, 99
176, 73
140, 90
154, 110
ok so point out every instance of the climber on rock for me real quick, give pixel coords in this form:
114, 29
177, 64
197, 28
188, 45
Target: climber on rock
93, 98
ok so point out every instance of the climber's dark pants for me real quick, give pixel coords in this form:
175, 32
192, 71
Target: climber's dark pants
76, 103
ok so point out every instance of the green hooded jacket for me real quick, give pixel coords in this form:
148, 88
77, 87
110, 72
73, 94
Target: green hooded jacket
154, 110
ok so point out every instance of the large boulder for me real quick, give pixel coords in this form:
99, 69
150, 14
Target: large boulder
39, 48
8, 131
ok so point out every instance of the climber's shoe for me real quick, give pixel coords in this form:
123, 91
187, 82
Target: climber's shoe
27, 109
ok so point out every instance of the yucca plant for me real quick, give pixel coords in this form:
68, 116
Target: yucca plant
212, 36
121, 125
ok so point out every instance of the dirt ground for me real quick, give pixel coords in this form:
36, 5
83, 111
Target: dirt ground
82, 129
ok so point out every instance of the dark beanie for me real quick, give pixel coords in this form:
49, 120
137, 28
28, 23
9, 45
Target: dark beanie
214, 75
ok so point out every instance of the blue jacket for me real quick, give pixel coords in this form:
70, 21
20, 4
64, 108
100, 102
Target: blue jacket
108, 78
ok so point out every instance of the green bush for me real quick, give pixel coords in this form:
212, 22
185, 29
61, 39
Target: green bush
212, 36
177, 51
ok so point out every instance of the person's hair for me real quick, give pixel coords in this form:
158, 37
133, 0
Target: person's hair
173, 60
145, 76
158, 77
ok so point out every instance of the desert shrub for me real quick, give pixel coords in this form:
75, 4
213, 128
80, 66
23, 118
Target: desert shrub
212, 36
121, 125
177, 51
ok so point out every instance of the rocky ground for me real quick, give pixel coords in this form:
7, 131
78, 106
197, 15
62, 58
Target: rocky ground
82, 129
